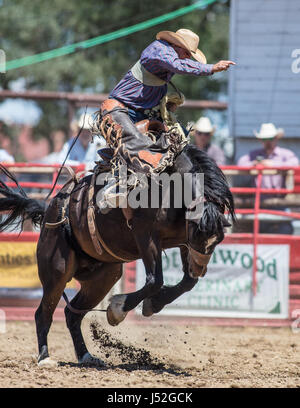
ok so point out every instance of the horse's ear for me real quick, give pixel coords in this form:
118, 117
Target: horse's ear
225, 222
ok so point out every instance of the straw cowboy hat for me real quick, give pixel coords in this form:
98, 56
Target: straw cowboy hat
204, 125
186, 39
268, 131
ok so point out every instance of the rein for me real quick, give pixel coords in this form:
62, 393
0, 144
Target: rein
79, 311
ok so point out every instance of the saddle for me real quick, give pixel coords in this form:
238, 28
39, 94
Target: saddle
76, 195
151, 125
148, 147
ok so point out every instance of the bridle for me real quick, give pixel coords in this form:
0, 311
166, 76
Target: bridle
197, 257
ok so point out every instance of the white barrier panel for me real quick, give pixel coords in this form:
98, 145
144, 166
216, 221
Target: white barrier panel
2, 322
226, 289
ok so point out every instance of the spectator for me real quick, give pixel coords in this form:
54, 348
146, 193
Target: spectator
83, 151
5, 145
57, 138
203, 133
271, 155
6, 157
32, 150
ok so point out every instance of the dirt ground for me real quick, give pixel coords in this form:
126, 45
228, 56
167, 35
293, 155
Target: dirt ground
154, 355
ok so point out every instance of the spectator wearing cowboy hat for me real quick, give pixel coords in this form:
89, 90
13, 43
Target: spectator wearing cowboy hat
203, 133
271, 155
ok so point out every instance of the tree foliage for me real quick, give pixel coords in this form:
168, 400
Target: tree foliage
30, 27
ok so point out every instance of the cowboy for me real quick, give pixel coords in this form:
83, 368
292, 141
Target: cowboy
140, 91
203, 133
271, 155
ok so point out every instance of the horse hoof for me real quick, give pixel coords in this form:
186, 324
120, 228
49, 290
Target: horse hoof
147, 308
90, 360
115, 313
47, 362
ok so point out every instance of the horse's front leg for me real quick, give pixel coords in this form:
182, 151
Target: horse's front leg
167, 294
150, 251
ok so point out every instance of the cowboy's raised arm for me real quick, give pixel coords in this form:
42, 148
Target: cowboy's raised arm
170, 61
191, 67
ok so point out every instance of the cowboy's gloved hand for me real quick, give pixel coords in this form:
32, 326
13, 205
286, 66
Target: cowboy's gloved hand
222, 66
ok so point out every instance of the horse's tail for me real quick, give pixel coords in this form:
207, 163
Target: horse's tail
18, 206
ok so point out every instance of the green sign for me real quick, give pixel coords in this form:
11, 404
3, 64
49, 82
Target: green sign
226, 289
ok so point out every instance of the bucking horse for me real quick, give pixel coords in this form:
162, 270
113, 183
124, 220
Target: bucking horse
78, 241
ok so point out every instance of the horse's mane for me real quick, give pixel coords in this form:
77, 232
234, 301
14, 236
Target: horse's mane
216, 189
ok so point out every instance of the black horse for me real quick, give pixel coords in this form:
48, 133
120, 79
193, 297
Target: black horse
66, 250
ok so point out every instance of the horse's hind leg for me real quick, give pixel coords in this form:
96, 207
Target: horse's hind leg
56, 264
102, 279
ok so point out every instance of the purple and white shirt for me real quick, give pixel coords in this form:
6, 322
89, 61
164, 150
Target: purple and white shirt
160, 59
279, 156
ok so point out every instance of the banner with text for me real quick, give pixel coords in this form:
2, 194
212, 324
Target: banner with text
226, 289
18, 266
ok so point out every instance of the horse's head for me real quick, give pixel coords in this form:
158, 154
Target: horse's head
206, 230
203, 236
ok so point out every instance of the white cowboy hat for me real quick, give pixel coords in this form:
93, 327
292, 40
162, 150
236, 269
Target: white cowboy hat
204, 125
267, 131
85, 121
186, 39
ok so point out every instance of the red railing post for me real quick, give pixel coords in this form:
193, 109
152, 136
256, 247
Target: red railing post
256, 230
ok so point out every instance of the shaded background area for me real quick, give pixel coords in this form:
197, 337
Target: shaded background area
30, 28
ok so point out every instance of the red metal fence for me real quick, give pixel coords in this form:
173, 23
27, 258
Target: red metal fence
257, 192
38, 168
